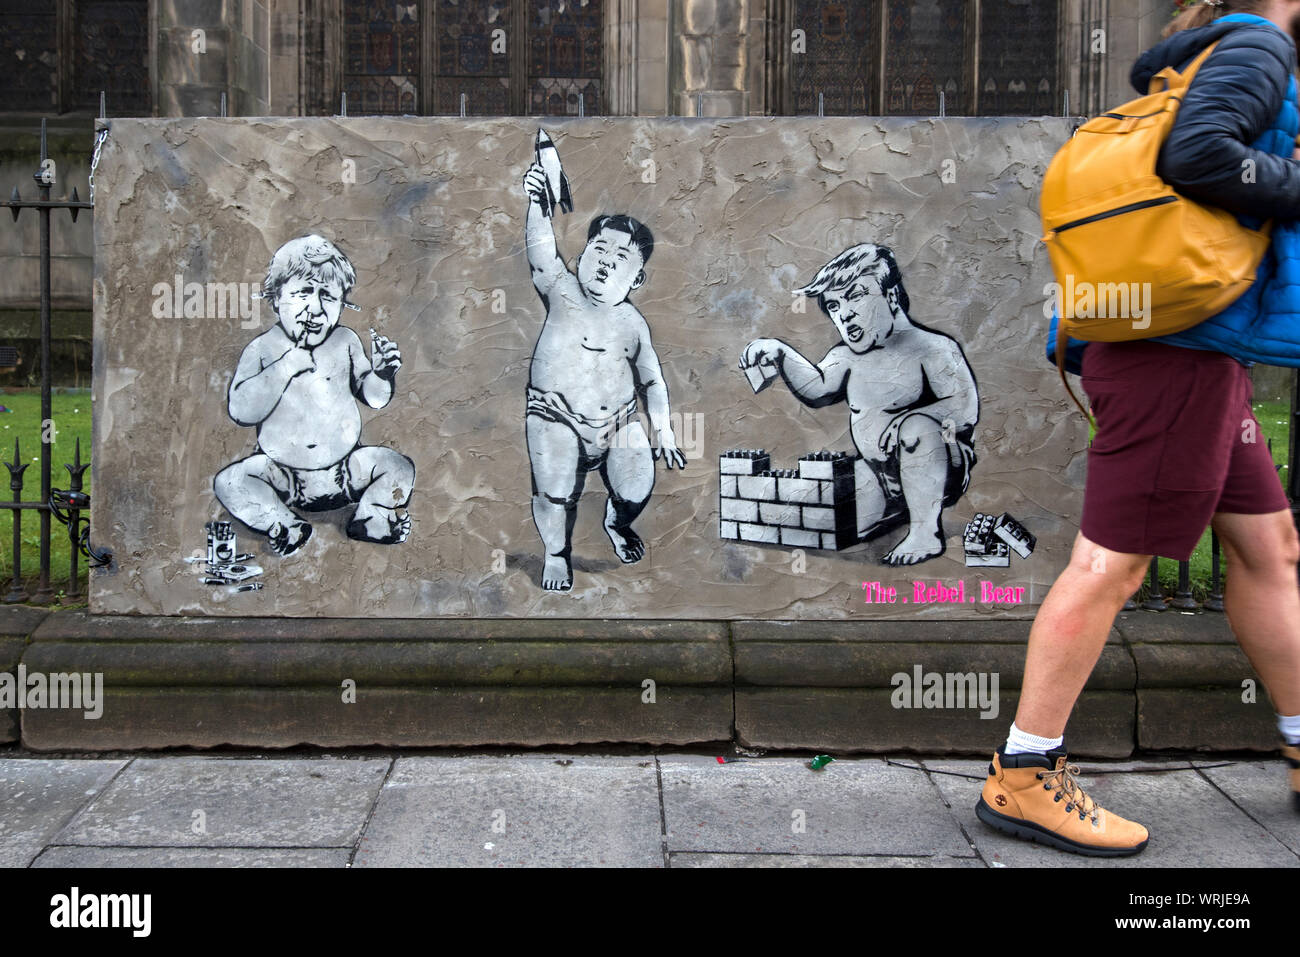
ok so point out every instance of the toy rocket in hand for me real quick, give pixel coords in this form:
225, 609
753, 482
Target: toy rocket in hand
557, 184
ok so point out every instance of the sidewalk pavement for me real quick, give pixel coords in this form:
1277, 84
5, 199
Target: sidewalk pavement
568, 809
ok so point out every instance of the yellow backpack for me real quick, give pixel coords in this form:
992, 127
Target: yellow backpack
1118, 234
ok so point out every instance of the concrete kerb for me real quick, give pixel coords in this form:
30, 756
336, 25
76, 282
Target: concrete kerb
1163, 683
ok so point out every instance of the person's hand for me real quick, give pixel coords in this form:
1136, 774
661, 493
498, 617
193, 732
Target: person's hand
666, 448
535, 187
385, 359
299, 359
762, 351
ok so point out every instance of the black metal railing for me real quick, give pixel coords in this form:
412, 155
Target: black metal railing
65, 506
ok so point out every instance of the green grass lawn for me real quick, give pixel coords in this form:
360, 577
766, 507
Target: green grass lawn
70, 412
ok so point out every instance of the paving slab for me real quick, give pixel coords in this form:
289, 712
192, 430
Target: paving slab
38, 797
1191, 823
93, 857
1262, 790
534, 810
778, 805
226, 802
692, 859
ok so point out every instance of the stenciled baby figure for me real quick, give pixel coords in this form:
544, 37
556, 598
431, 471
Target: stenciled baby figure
912, 399
298, 384
592, 357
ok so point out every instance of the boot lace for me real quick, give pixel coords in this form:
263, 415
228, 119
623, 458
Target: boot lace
1068, 789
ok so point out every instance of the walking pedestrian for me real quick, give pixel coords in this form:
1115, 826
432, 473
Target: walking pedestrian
1175, 445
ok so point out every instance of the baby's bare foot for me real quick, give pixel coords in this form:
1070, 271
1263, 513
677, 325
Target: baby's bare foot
919, 545
557, 574
287, 540
383, 526
627, 544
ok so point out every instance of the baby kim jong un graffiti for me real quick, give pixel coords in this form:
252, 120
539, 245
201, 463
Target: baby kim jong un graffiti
593, 355
298, 384
913, 405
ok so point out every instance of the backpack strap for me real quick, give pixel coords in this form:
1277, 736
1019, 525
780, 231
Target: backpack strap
1185, 76
1063, 343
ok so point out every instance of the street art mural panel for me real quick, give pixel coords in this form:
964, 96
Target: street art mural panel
763, 368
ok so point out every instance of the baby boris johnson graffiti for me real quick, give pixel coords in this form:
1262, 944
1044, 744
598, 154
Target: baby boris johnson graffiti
298, 385
913, 406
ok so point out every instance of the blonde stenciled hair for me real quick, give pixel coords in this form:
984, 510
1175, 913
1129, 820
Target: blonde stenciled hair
308, 257
1198, 13
865, 259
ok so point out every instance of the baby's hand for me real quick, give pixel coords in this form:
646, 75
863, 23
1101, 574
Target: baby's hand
761, 351
666, 447
385, 359
298, 360
535, 184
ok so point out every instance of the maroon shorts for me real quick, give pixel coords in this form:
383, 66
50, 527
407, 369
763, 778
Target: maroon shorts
1176, 442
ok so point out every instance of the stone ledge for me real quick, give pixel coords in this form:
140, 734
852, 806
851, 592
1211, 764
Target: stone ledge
1173, 627
936, 630
17, 622
1163, 682
872, 664
1186, 719
864, 720
376, 662
80, 626
140, 718
1171, 665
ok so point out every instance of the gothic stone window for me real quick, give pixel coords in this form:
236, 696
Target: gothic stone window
504, 56
897, 57
62, 54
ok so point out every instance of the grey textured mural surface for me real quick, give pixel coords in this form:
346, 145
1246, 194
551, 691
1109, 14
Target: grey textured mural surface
762, 368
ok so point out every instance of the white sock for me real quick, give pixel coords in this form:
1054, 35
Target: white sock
1019, 742
1289, 725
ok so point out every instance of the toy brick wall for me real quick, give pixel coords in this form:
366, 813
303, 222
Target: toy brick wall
812, 506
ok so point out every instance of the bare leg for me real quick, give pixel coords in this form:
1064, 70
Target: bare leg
245, 489
1070, 631
629, 474
557, 484
384, 479
869, 501
1262, 600
923, 471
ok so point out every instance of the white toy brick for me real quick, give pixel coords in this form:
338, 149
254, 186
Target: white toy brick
760, 533
822, 519
739, 510
756, 487
799, 538
744, 462
779, 513
799, 490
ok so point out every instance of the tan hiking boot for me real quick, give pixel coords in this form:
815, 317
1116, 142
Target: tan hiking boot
1292, 754
1037, 798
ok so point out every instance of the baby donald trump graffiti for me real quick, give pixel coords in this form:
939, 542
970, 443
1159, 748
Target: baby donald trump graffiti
592, 358
912, 399
298, 384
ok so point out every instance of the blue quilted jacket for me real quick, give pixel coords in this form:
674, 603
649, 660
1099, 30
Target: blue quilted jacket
1244, 93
